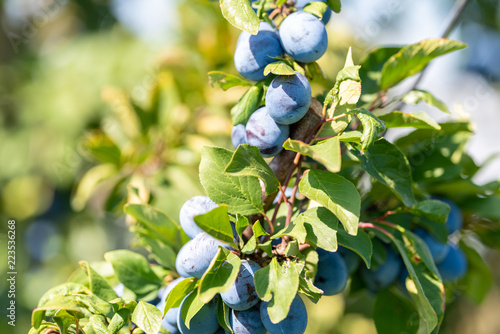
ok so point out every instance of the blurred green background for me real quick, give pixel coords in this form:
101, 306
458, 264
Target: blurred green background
69, 67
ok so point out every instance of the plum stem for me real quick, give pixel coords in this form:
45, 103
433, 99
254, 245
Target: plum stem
375, 227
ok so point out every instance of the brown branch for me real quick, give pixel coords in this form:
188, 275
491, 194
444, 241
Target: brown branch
285, 162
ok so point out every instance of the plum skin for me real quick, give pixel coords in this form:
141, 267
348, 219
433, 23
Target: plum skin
382, 276
454, 221
294, 323
242, 294
238, 135
195, 256
262, 131
438, 250
204, 322
331, 276
254, 52
288, 98
194, 206
303, 37
454, 265
247, 322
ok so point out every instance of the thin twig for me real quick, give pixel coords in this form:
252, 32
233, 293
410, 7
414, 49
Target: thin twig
375, 227
385, 215
457, 11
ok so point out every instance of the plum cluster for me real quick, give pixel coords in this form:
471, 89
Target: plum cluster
448, 257
301, 37
248, 312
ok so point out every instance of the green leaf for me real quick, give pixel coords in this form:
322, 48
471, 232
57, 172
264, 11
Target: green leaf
95, 304
431, 209
372, 126
64, 320
371, 71
307, 287
147, 317
343, 98
67, 303
64, 289
156, 221
399, 119
413, 58
351, 137
360, 244
179, 292
394, 314
134, 271
102, 147
220, 275
223, 314
317, 8
162, 253
316, 226
416, 96
119, 320
278, 284
334, 5
336, 193
251, 244
326, 152
216, 223
98, 285
98, 324
279, 67
90, 183
423, 285
313, 70
225, 80
292, 248
241, 224
388, 165
240, 14
249, 102
191, 305
479, 279
247, 161
242, 194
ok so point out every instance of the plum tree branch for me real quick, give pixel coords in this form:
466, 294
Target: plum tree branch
457, 12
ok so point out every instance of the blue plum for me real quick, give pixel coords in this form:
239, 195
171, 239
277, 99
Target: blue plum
300, 4
383, 275
238, 135
438, 250
242, 295
265, 133
204, 322
331, 276
294, 323
288, 98
254, 52
247, 322
195, 206
455, 219
351, 259
195, 256
454, 265
303, 37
